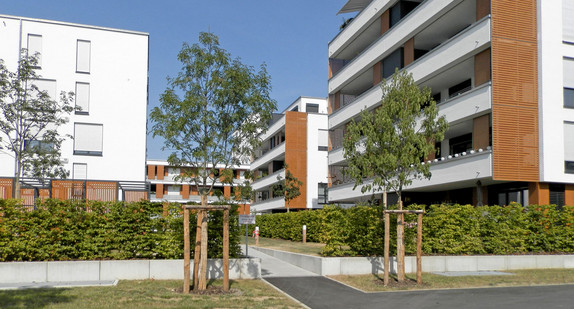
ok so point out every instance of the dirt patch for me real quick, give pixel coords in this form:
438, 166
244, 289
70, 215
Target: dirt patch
211, 290
393, 283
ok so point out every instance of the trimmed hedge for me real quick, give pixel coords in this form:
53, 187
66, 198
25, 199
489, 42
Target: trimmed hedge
447, 229
88, 230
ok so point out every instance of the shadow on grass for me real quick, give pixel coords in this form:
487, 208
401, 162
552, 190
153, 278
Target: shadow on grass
33, 298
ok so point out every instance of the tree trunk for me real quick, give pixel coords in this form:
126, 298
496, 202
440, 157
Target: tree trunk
203, 258
197, 250
400, 243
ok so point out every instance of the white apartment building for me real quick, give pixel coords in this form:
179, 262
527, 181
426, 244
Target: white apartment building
298, 138
167, 186
502, 74
107, 69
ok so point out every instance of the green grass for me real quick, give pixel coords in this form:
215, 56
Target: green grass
374, 283
147, 294
310, 248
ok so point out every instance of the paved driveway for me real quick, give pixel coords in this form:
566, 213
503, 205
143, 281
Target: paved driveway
321, 292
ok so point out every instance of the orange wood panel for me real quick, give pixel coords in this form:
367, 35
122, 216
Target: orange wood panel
409, 51
377, 73
569, 195
6, 188
482, 8
160, 172
482, 69
227, 192
514, 91
184, 191
385, 21
296, 153
159, 190
101, 191
538, 193
151, 172
481, 132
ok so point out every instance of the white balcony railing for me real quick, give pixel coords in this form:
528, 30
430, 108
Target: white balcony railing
278, 151
449, 173
460, 47
267, 180
269, 204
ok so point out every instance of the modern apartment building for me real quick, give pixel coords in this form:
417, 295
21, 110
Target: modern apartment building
298, 138
502, 74
107, 69
166, 186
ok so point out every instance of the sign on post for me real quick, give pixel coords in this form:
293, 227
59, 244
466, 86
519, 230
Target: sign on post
247, 219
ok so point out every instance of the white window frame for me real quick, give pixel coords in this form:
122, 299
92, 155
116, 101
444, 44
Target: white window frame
34, 45
83, 56
89, 146
82, 97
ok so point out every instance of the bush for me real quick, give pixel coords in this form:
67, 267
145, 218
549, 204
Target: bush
88, 230
447, 229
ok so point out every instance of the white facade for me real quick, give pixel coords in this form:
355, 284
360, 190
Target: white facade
280, 145
107, 69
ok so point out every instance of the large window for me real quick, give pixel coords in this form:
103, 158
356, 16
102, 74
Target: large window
460, 144
88, 139
83, 51
322, 197
82, 98
568, 79
35, 47
323, 141
312, 108
569, 147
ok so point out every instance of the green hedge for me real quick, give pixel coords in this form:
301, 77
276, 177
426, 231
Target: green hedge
447, 229
79, 230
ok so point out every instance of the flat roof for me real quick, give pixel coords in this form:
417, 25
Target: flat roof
54, 22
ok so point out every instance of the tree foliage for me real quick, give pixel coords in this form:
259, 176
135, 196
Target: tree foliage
390, 143
212, 112
29, 121
288, 187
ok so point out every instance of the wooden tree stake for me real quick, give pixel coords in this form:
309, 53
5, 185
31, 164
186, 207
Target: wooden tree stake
387, 244
226, 250
186, 252
197, 250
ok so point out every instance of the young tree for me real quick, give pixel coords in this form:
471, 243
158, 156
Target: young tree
29, 122
288, 187
211, 114
390, 143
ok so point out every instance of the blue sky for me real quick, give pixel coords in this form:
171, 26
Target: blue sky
291, 36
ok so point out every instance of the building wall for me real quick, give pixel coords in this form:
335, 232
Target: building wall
117, 90
296, 153
317, 163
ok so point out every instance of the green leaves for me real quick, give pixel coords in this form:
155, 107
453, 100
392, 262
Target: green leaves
78, 230
212, 112
28, 115
390, 143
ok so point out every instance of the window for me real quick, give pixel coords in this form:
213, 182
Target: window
569, 147
392, 62
295, 109
567, 21
82, 98
80, 171
83, 50
35, 47
88, 139
323, 141
47, 85
37, 146
173, 190
322, 193
569, 97
557, 194
460, 143
459, 88
312, 108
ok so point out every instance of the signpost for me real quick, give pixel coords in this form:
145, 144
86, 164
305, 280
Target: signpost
246, 220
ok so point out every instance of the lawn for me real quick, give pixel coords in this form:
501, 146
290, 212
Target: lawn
147, 294
310, 248
374, 283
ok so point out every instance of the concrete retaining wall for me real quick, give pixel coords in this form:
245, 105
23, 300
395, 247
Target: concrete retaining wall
13, 272
372, 265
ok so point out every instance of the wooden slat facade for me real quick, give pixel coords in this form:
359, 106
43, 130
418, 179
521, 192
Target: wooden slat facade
515, 91
101, 191
6, 188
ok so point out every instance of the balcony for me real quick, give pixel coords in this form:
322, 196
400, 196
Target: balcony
416, 21
274, 203
268, 156
267, 181
273, 129
459, 171
466, 44
336, 156
473, 103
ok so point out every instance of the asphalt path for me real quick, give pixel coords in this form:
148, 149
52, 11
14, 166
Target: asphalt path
320, 292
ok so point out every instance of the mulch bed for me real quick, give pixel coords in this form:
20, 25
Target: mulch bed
211, 290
